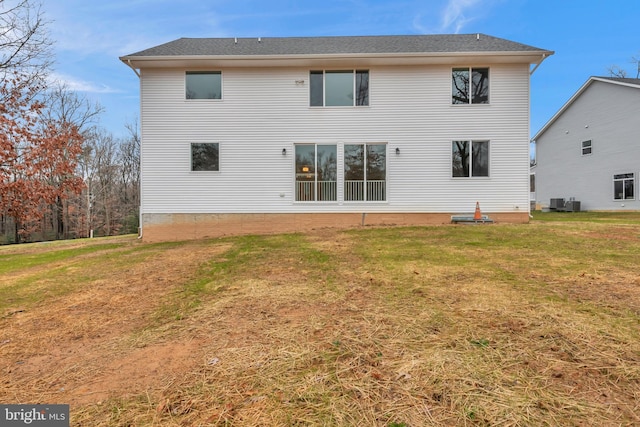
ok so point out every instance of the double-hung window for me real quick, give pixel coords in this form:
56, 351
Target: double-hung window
339, 88
203, 85
623, 186
365, 172
205, 157
586, 147
470, 158
470, 86
316, 172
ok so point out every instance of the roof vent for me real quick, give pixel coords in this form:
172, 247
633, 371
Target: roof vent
478, 36
235, 40
259, 39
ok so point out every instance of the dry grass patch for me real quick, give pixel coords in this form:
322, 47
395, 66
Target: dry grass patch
489, 325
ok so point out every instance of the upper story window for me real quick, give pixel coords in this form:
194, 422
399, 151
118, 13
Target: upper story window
205, 157
586, 147
623, 186
470, 158
203, 85
470, 86
339, 88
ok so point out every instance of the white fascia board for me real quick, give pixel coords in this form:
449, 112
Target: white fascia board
420, 58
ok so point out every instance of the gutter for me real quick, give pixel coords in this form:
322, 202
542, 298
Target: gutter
128, 63
319, 59
544, 56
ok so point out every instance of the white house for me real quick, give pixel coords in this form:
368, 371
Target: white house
590, 149
255, 135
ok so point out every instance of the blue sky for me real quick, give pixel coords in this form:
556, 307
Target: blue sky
587, 36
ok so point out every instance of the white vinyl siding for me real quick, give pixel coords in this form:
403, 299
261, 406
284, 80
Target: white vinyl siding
267, 110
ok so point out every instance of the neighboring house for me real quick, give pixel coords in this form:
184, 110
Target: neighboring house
255, 135
590, 149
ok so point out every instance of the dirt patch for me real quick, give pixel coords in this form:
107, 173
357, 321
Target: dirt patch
142, 369
72, 349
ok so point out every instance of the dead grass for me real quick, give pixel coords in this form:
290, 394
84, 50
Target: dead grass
530, 325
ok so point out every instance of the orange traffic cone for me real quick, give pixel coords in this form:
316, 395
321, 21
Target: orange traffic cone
478, 215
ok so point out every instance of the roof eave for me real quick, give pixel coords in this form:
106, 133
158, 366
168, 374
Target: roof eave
574, 97
165, 61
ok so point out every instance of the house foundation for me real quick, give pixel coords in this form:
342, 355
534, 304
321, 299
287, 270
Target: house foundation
175, 227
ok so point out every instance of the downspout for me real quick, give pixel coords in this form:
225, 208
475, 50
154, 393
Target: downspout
139, 213
544, 56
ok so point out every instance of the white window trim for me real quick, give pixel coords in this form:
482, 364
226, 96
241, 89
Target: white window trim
340, 175
191, 171
470, 103
623, 200
324, 89
471, 176
184, 86
386, 178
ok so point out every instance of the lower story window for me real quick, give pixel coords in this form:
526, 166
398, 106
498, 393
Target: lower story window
470, 158
205, 157
365, 172
316, 172
623, 186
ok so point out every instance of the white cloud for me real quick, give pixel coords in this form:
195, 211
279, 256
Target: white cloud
78, 85
455, 15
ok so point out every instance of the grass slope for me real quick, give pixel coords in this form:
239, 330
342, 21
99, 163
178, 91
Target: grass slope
513, 325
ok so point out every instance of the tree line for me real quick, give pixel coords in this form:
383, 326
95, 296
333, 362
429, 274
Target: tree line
61, 175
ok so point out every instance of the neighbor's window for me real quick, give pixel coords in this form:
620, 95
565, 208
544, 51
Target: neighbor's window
623, 186
532, 183
205, 157
586, 147
470, 158
203, 84
339, 88
470, 86
316, 172
365, 172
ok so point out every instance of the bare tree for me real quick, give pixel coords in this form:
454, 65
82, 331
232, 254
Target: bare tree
617, 71
25, 46
97, 165
129, 160
66, 106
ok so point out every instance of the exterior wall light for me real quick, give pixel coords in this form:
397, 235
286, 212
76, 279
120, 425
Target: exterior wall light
397, 151
284, 151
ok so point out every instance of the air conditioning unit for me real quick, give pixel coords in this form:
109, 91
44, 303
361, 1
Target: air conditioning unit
556, 204
572, 206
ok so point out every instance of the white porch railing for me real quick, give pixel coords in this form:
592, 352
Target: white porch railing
376, 190
326, 191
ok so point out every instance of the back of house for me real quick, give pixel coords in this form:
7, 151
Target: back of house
260, 135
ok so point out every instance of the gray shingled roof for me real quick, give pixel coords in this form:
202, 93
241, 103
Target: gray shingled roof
457, 43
